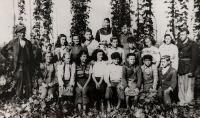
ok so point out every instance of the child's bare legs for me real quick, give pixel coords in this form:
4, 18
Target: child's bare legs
127, 102
102, 105
108, 105
84, 109
134, 101
118, 104
79, 107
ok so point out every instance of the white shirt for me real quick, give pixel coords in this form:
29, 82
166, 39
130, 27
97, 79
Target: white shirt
172, 51
99, 68
154, 52
112, 50
164, 70
114, 72
91, 46
22, 42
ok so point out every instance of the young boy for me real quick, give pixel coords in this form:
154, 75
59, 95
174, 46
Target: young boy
113, 77
65, 72
132, 48
115, 48
150, 78
47, 79
125, 34
131, 78
167, 80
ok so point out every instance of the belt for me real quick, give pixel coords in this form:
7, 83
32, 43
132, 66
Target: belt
184, 58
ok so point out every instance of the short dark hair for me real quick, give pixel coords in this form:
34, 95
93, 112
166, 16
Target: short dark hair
115, 55
131, 39
172, 41
147, 57
82, 52
184, 30
130, 54
94, 55
151, 39
107, 19
114, 38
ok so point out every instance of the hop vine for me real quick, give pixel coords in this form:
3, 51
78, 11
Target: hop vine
80, 11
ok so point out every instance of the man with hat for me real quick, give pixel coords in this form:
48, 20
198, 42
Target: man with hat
132, 48
23, 61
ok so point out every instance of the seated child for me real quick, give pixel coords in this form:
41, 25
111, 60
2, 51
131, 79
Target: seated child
65, 72
115, 48
113, 77
47, 79
167, 80
131, 78
150, 78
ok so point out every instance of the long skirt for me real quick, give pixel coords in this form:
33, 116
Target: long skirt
23, 78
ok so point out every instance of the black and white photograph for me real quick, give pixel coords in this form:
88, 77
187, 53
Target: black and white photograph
99, 58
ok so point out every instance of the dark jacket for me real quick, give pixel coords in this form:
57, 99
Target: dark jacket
14, 45
137, 53
188, 57
169, 79
132, 73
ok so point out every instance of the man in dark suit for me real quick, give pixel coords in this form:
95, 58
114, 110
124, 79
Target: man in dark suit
188, 61
23, 61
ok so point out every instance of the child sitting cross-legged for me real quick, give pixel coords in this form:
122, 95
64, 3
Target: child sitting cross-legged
167, 80
131, 79
113, 78
65, 72
150, 78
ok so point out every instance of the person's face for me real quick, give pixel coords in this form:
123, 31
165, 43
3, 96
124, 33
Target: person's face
76, 40
100, 56
48, 57
147, 62
125, 29
164, 63
49, 48
83, 58
46, 42
146, 31
183, 36
21, 35
132, 45
88, 35
115, 43
168, 40
67, 58
116, 61
62, 41
106, 24
131, 60
148, 42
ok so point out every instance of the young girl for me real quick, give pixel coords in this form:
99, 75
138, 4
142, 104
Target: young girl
168, 48
98, 85
83, 75
61, 46
65, 72
89, 42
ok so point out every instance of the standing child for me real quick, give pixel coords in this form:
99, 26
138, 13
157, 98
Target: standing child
115, 48
126, 33
150, 78
83, 76
65, 72
167, 80
131, 79
98, 85
113, 78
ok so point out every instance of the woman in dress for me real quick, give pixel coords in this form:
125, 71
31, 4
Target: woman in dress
168, 48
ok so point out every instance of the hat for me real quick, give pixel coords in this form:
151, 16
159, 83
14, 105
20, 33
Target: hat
20, 28
147, 57
115, 55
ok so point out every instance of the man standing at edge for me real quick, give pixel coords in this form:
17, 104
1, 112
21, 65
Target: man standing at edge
188, 59
23, 61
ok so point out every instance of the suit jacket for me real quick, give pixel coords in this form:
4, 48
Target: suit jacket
189, 50
169, 79
14, 45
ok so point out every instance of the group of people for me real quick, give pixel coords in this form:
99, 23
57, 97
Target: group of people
101, 69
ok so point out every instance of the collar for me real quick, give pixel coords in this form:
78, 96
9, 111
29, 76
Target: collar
114, 48
147, 67
130, 65
185, 41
